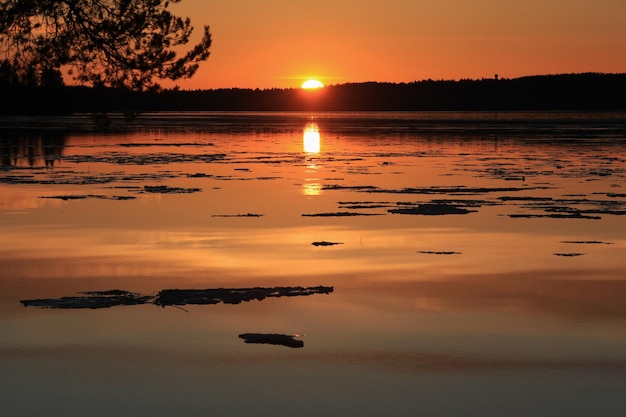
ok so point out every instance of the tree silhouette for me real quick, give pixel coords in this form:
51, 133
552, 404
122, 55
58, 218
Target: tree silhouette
117, 43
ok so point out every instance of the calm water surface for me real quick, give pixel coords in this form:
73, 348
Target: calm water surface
478, 265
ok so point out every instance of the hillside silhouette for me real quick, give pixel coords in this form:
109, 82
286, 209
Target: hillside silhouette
585, 91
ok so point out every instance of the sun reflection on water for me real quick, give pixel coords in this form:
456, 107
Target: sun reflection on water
312, 188
311, 145
311, 139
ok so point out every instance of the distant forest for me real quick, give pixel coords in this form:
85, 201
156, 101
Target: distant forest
586, 91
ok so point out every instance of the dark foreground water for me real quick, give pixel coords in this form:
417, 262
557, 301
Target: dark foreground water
477, 265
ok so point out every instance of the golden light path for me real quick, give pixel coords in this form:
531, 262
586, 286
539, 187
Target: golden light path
311, 138
312, 144
312, 84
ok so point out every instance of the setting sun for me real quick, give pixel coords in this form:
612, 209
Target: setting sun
311, 84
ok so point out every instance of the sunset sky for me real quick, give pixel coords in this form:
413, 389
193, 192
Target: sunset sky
281, 43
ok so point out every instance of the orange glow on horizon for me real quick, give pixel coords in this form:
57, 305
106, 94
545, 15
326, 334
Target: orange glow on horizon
402, 41
312, 85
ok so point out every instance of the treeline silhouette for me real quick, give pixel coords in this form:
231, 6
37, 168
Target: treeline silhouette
585, 91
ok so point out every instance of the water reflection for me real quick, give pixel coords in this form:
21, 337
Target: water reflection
311, 139
312, 188
472, 304
32, 150
312, 146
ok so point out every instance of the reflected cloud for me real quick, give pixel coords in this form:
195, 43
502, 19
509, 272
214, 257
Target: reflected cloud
582, 295
442, 362
22, 200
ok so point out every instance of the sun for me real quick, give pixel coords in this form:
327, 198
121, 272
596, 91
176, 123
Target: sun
312, 84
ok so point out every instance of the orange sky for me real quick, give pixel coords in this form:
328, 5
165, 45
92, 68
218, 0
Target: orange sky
281, 43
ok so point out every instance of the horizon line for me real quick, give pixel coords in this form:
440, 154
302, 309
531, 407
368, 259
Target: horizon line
496, 76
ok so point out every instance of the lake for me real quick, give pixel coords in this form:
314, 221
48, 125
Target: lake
425, 263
